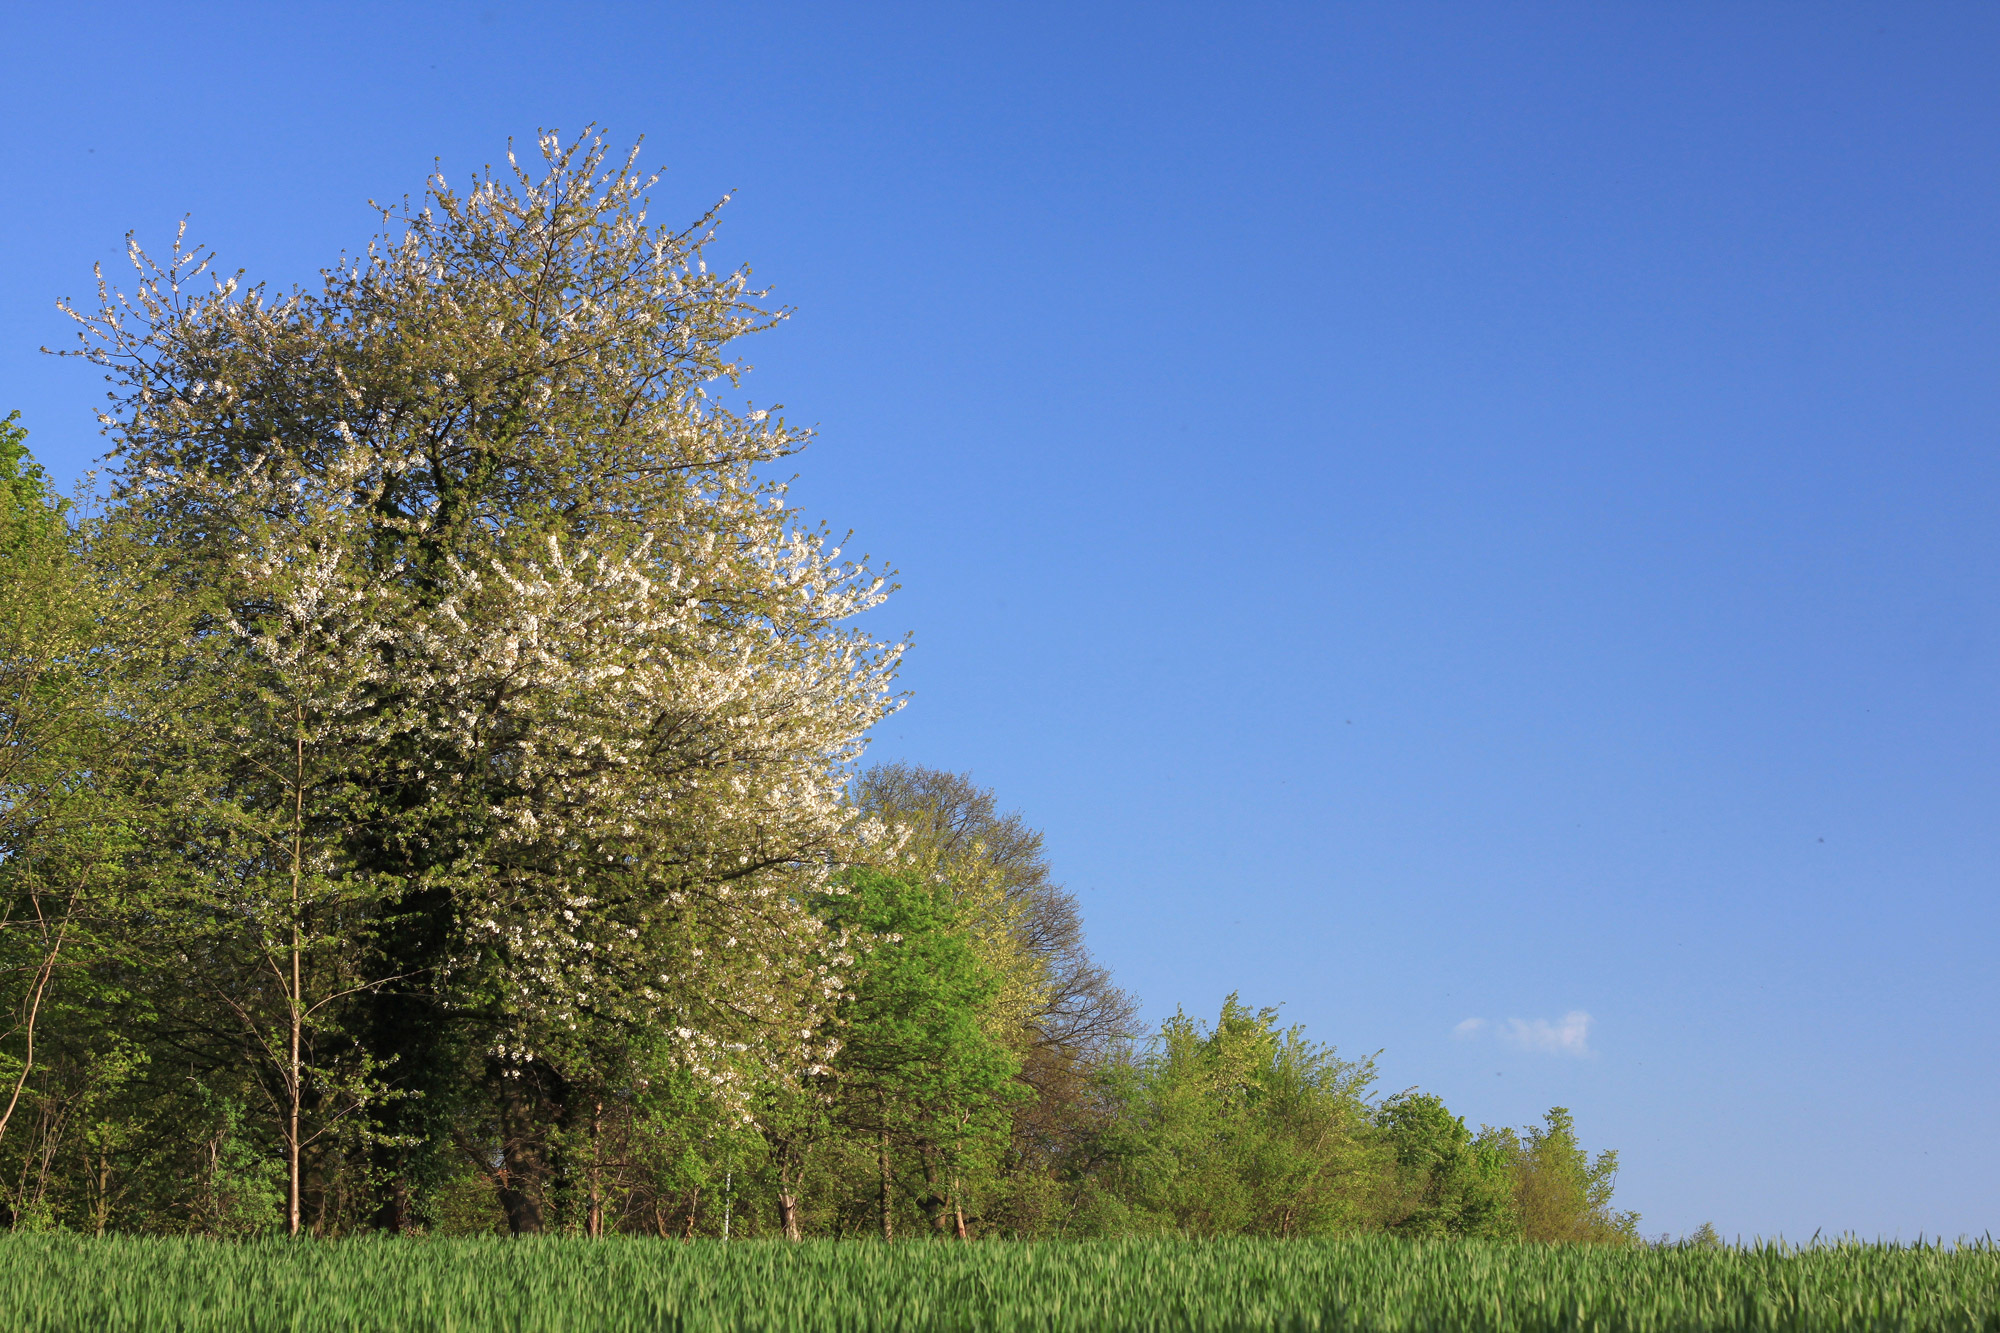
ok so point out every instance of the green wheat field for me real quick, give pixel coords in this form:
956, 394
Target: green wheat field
52, 1282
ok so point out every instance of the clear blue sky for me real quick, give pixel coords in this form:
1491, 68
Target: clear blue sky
1443, 513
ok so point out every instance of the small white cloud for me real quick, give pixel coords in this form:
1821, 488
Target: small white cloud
1569, 1036
1469, 1029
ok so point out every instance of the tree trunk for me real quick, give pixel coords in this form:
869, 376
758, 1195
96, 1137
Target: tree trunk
523, 1164
42, 976
787, 1157
882, 1160
101, 1210
788, 1213
393, 1216
936, 1207
594, 1225
293, 1069
523, 1208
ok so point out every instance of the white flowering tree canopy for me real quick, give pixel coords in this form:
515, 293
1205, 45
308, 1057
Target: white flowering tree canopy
475, 495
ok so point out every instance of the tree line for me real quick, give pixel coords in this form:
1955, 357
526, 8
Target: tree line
428, 803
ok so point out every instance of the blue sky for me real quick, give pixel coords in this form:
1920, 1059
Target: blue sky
1453, 518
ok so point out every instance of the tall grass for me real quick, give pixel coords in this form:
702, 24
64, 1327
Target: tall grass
50, 1282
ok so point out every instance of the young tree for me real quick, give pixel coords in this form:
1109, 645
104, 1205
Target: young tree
292, 722
40, 617
51, 726
1560, 1191
72, 766
794, 1115
919, 1071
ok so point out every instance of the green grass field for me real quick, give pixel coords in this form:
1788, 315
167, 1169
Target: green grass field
551, 1286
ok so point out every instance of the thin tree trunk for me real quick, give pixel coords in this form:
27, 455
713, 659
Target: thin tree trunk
102, 1212
595, 1224
42, 976
292, 1073
935, 1205
788, 1200
882, 1160
51, 1144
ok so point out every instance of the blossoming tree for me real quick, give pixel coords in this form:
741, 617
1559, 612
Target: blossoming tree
597, 689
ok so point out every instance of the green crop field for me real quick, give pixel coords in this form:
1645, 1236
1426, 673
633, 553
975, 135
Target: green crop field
52, 1282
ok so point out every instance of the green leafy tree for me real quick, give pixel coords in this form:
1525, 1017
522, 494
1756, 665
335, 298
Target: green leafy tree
1057, 1009
919, 1073
1446, 1182
51, 726
1560, 1191
29, 509
65, 832
1245, 1128
1703, 1237
92, 683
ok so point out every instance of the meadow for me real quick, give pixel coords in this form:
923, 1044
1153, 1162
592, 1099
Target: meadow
58, 1281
